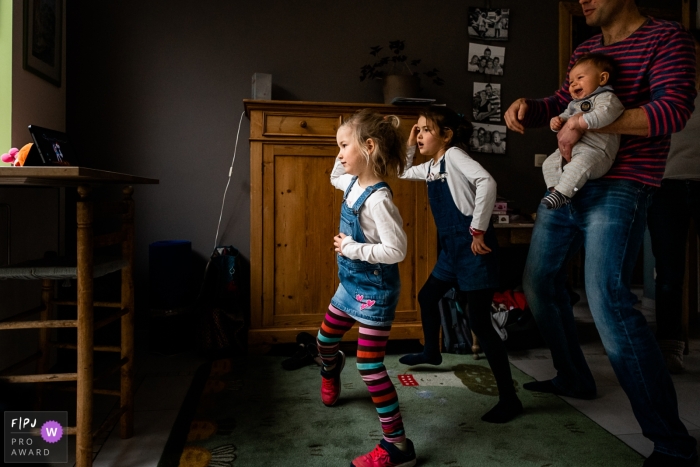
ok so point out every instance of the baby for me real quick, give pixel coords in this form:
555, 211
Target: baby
593, 106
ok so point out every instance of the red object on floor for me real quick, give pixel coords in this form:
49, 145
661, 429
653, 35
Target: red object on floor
510, 299
408, 380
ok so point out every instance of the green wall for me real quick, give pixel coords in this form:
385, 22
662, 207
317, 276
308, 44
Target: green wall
5, 75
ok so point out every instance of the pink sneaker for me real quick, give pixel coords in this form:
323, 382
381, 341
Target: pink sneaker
387, 455
330, 381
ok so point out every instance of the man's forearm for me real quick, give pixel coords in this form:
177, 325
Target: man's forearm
631, 122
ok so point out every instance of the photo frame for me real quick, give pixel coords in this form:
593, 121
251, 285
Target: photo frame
573, 29
486, 59
488, 24
486, 102
489, 139
43, 39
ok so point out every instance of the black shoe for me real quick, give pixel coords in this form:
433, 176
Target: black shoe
306, 354
300, 359
308, 341
664, 460
304, 338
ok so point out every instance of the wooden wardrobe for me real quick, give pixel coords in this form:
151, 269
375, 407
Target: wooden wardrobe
294, 214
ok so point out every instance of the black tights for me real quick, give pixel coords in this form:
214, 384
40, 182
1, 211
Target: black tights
479, 311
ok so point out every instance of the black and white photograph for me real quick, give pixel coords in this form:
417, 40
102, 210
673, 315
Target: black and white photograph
490, 139
487, 102
42, 39
486, 59
488, 24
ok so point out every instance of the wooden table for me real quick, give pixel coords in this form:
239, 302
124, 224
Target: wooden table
83, 179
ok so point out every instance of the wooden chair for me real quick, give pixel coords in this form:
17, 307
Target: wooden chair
85, 268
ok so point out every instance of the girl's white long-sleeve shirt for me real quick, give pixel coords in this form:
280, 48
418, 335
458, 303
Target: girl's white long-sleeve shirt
380, 221
473, 189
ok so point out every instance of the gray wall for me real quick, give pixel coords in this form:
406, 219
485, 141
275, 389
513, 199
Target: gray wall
155, 89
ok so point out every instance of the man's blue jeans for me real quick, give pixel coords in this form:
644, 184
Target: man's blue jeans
608, 218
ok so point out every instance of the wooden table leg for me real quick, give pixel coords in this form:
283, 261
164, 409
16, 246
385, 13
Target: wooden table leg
83, 450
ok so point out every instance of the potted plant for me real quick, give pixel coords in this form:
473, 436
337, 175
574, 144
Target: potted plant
396, 72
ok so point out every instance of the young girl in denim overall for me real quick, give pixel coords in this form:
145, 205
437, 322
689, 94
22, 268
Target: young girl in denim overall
369, 247
462, 194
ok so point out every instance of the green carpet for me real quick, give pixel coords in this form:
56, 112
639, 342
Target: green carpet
253, 413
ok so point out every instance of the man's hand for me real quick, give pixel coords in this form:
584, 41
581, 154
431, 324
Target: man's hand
556, 123
337, 242
515, 115
566, 138
479, 246
577, 122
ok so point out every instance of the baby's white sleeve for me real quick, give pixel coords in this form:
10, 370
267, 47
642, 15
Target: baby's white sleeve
568, 112
607, 109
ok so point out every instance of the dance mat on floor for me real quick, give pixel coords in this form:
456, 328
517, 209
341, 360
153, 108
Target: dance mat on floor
250, 412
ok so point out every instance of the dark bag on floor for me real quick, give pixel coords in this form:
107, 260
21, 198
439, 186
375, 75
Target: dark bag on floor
222, 305
456, 334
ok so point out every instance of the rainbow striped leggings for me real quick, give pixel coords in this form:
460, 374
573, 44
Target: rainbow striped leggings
371, 347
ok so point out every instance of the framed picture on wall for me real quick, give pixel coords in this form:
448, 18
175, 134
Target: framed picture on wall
487, 102
490, 139
488, 23
43, 39
486, 59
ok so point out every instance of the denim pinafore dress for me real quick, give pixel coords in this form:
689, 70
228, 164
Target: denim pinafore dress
367, 292
456, 261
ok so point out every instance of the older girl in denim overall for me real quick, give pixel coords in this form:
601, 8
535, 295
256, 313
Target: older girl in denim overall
462, 194
370, 245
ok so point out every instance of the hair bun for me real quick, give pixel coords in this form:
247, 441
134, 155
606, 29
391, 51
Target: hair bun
393, 120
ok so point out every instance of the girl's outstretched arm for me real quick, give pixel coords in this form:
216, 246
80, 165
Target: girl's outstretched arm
419, 172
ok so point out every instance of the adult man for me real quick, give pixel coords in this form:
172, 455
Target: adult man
656, 65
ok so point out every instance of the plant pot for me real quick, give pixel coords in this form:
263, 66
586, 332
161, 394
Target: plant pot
399, 86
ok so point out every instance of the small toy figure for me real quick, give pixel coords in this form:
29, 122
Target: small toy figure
17, 157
